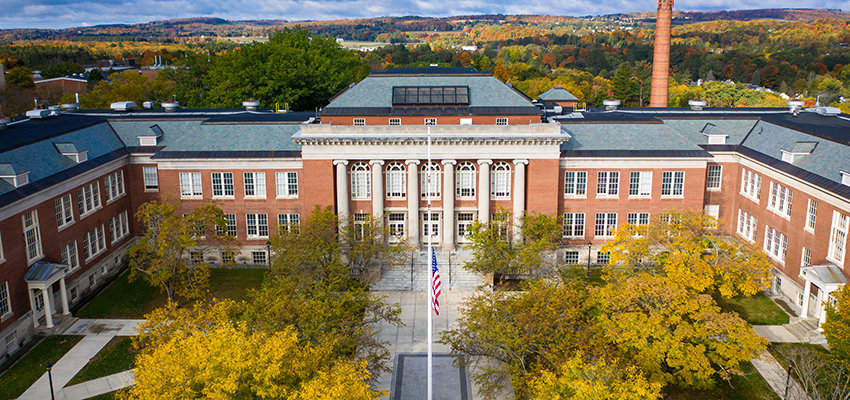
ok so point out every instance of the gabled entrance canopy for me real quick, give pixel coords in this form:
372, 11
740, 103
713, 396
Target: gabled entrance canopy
41, 276
828, 278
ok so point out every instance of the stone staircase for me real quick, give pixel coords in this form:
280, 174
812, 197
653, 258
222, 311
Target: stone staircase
60, 324
413, 275
804, 329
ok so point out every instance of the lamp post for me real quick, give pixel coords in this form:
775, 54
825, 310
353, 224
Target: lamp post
269, 253
49, 366
589, 245
788, 379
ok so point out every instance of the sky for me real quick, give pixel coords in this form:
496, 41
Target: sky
57, 14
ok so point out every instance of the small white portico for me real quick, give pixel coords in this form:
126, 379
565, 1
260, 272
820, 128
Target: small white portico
41, 277
827, 278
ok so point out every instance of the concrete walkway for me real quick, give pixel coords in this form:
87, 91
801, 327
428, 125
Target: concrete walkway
776, 333
97, 334
776, 377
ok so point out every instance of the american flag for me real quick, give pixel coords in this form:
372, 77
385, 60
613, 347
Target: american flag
436, 282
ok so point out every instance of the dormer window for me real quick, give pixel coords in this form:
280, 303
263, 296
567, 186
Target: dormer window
70, 150
845, 178
153, 138
800, 149
713, 137
10, 176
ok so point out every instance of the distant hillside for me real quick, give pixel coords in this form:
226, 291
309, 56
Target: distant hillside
785, 14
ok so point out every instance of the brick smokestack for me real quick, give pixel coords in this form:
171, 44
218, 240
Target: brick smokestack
661, 57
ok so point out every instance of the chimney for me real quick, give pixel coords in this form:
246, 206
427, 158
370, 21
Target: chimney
661, 56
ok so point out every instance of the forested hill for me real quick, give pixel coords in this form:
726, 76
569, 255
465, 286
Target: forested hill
784, 14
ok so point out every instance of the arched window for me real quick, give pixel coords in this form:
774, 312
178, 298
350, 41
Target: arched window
361, 180
430, 180
500, 180
396, 180
465, 187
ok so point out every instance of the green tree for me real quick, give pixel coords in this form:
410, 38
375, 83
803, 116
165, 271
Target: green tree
62, 69
21, 77
837, 325
127, 86
643, 83
622, 83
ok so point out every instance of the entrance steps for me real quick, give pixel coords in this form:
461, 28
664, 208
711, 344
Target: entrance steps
413, 275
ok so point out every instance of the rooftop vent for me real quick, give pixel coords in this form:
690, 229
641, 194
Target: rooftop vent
55, 111
38, 113
251, 104
122, 106
148, 105
795, 105
170, 105
697, 104
828, 111
71, 107
611, 104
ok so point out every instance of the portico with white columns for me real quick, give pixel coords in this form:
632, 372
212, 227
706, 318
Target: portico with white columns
40, 278
827, 279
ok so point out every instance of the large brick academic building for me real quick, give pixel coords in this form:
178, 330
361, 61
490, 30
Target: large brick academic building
72, 179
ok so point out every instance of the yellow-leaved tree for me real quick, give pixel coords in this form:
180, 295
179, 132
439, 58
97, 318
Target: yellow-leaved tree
598, 379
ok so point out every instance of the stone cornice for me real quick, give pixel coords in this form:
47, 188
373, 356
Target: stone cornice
533, 134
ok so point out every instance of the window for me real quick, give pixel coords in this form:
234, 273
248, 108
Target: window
222, 184
465, 175
74, 292
775, 244
92, 280
359, 121
672, 183
464, 220
800, 299
196, 257
640, 183
430, 180
288, 221
501, 121
113, 186
230, 228
500, 222
747, 225
608, 183
466, 121
780, 199
118, 228
396, 181
500, 180
807, 258
255, 184
571, 257
5, 302
88, 198
605, 224
12, 338
812, 215
227, 257
603, 258
838, 237
573, 225
575, 183
430, 121
360, 221
286, 184
258, 257
69, 256
32, 236
151, 180
190, 185
361, 181
751, 185
94, 242
64, 215
395, 121
638, 218
712, 178
257, 225
395, 222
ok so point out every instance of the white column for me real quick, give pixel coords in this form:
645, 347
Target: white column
48, 311
484, 190
341, 189
822, 306
519, 196
63, 295
32, 307
806, 293
377, 189
413, 201
448, 204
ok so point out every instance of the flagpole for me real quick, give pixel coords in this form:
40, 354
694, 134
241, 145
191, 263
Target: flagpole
430, 268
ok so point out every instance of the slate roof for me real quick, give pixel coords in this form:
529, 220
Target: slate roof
196, 135
42, 271
618, 140
558, 94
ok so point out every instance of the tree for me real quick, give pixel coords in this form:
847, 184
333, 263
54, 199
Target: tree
127, 86
62, 69
171, 254
599, 379
15, 100
368, 241
643, 82
821, 376
622, 83
837, 325
21, 77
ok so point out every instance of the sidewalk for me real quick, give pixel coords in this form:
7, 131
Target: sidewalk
776, 377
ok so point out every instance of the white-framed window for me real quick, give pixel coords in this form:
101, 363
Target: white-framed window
222, 184
747, 225
395, 121
501, 121
396, 180
94, 242
360, 225
113, 185
606, 223
286, 184
88, 198
75, 292
430, 121
500, 221
713, 175
196, 257
464, 220
361, 181
64, 214
430, 176
92, 280
5, 301
69, 255
603, 258
673, 183
640, 183
255, 184
838, 238
227, 257
257, 225
151, 179
573, 225
396, 224
190, 185
812, 215
571, 257
775, 243
32, 235
780, 199
575, 184
258, 257
359, 121
607, 183
288, 221
638, 218
807, 258
800, 299
230, 229
118, 227
500, 180
465, 180
751, 185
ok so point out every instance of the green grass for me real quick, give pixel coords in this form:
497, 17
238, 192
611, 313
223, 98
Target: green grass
117, 356
757, 310
17, 379
125, 299
750, 386
105, 396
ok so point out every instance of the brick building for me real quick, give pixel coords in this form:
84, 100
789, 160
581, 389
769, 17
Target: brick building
72, 181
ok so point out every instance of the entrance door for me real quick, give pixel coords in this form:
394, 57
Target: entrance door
38, 301
814, 306
431, 228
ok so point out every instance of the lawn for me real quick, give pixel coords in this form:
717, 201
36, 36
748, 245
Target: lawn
30, 367
115, 357
757, 310
125, 299
750, 386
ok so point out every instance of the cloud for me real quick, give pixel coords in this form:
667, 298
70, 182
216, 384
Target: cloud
59, 14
